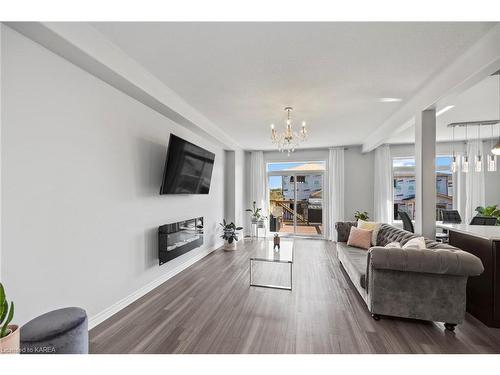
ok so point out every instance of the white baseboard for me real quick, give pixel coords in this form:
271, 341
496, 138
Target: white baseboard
116, 307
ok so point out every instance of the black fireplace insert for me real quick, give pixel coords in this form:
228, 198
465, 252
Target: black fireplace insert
178, 238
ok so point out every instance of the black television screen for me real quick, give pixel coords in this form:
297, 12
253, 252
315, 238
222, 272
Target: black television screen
188, 168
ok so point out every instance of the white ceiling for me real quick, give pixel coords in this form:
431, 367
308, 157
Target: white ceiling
478, 103
241, 75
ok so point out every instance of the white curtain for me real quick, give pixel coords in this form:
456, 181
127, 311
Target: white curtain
383, 184
474, 181
459, 187
334, 200
258, 182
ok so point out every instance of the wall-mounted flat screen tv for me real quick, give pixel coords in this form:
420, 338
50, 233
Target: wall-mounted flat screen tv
188, 168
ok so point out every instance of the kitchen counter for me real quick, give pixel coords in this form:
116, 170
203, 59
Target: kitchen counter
483, 291
487, 232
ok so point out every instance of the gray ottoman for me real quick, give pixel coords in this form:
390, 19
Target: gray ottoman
62, 331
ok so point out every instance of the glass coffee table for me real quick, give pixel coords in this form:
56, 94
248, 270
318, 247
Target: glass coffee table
266, 253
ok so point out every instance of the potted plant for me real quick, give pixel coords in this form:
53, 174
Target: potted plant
358, 215
229, 235
256, 214
489, 211
9, 333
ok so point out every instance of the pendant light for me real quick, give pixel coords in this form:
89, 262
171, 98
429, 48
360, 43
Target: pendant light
465, 158
492, 158
454, 160
496, 149
478, 164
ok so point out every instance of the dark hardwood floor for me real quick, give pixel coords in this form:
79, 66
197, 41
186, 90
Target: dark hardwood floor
210, 308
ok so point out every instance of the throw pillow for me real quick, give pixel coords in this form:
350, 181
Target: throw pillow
415, 243
361, 238
394, 244
370, 225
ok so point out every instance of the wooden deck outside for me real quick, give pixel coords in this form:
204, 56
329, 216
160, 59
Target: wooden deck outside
310, 229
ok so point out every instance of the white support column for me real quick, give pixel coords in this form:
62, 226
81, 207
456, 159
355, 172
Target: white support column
425, 182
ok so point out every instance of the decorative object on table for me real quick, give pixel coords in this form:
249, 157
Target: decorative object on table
289, 139
276, 241
358, 215
9, 333
229, 235
489, 211
62, 331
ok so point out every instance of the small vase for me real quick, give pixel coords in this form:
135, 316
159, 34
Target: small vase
10, 344
229, 246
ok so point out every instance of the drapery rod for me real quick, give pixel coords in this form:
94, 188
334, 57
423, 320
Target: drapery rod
473, 123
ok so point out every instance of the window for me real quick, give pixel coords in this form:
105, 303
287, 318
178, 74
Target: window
404, 185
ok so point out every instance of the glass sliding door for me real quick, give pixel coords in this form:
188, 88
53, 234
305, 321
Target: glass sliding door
296, 198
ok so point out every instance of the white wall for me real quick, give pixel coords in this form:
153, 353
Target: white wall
81, 170
359, 180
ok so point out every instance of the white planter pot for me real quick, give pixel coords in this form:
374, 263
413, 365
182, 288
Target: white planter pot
229, 246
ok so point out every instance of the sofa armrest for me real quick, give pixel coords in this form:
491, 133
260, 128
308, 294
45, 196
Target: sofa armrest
344, 229
438, 261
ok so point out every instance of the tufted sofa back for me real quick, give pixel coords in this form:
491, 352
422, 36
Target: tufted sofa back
387, 233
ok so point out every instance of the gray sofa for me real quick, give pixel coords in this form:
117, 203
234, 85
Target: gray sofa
427, 284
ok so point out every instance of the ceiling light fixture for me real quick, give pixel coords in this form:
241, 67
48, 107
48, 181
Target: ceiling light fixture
444, 110
390, 100
479, 158
492, 158
454, 162
465, 158
289, 139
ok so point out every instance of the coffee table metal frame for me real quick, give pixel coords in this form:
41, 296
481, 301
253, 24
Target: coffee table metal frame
258, 259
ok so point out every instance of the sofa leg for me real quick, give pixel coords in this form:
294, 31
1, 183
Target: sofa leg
376, 317
450, 326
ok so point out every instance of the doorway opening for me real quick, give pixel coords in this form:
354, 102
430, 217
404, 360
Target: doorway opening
296, 198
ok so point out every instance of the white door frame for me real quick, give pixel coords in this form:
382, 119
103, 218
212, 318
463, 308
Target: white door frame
301, 173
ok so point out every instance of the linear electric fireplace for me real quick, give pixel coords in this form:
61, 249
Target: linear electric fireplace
178, 238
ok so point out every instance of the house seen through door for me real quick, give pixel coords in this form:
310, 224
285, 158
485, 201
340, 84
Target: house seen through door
296, 198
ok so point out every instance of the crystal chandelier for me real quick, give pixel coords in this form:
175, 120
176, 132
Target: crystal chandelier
289, 139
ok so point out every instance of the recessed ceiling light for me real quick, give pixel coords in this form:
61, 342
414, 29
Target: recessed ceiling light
445, 109
390, 100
